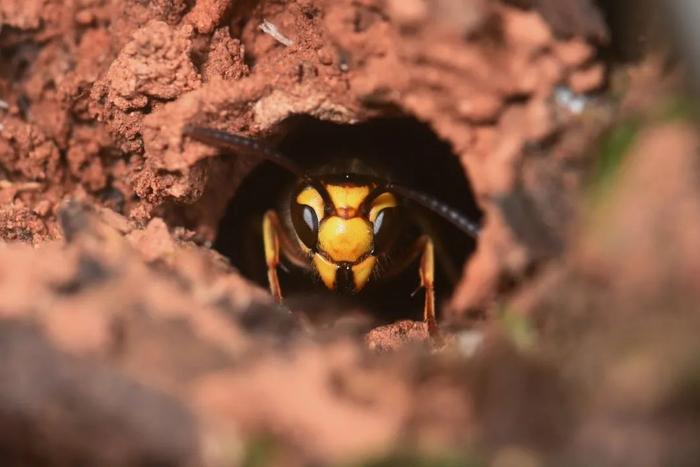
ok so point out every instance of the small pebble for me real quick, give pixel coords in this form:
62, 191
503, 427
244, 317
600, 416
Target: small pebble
571, 101
84, 17
325, 56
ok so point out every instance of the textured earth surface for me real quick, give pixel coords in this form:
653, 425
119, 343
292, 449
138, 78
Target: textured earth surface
128, 340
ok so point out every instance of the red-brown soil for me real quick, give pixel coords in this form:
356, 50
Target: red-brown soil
127, 340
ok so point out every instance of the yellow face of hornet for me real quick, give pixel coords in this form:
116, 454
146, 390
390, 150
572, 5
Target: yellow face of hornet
343, 227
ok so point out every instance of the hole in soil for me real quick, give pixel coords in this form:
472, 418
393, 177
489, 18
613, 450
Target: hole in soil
403, 149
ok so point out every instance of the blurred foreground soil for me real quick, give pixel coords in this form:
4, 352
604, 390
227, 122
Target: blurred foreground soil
127, 340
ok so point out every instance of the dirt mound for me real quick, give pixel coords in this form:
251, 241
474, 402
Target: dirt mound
129, 341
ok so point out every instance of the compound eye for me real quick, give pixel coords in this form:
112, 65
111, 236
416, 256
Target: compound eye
305, 224
386, 227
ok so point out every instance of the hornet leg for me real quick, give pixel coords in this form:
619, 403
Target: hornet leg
426, 270
272, 253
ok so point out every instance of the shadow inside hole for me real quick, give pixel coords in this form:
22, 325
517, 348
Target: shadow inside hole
403, 148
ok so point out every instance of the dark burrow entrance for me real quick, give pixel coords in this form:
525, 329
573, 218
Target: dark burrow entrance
407, 151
